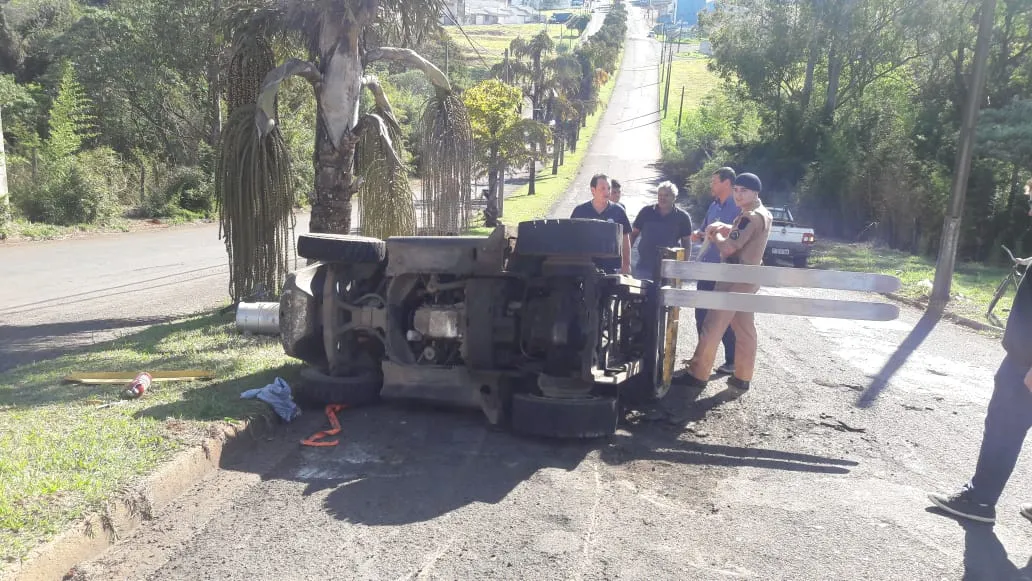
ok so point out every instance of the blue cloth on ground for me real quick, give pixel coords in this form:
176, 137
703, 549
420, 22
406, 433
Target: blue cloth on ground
277, 395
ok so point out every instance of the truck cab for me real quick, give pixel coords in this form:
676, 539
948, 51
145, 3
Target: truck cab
787, 240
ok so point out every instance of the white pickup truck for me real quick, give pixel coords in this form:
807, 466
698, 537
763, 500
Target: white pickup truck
787, 240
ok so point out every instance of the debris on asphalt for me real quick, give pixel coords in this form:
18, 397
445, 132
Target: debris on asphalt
316, 439
276, 394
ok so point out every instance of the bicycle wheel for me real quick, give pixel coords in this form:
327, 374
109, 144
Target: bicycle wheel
1001, 289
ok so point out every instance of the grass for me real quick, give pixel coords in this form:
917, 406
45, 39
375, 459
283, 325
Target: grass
548, 188
973, 283
491, 40
21, 229
688, 71
62, 455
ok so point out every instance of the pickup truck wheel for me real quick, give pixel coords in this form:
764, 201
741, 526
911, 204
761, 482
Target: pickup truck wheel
587, 417
570, 238
317, 389
341, 248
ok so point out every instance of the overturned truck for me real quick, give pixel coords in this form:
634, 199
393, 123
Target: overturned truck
526, 329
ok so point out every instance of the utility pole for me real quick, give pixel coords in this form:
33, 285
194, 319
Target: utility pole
951, 226
666, 90
679, 111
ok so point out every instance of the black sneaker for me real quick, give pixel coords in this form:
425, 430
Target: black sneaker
739, 384
1026, 511
960, 504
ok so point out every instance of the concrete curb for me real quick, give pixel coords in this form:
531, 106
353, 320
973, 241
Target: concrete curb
958, 319
93, 535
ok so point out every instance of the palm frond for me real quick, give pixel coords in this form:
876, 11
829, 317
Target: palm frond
447, 164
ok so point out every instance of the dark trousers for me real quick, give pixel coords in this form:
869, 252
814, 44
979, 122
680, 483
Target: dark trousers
1007, 421
700, 315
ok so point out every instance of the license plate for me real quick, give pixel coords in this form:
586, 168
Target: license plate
779, 251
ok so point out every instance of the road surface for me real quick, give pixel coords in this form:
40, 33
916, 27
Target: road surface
819, 472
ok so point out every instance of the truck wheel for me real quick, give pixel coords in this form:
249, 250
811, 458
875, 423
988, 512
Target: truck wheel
341, 248
799, 261
569, 238
317, 389
589, 417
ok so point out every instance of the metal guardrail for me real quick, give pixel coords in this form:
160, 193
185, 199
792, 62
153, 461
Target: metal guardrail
772, 276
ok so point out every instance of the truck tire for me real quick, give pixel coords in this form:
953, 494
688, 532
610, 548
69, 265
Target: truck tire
575, 418
573, 238
317, 389
341, 248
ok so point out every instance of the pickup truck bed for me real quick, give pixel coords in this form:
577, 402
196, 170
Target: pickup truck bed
788, 241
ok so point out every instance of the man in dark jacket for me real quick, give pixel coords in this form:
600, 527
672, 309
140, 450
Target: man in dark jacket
1007, 420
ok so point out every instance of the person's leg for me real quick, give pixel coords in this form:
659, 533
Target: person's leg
729, 345
1007, 422
744, 327
700, 314
706, 351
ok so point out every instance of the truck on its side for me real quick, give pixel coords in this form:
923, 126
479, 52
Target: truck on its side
788, 241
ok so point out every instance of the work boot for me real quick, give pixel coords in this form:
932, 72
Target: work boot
739, 384
726, 369
963, 505
1026, 511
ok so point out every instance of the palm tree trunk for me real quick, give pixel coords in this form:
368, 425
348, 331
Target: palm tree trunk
491, 211
557, 147
533, 170
337, 103
331, 203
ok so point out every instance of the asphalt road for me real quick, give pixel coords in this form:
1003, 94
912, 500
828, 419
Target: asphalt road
819, 472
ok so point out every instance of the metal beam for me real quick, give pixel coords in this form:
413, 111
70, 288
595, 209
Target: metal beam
776, 276
778, 305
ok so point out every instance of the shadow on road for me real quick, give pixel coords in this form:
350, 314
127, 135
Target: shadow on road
21, 344
985, 558
920, 332
399, 464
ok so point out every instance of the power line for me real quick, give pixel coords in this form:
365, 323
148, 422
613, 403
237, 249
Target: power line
468, 39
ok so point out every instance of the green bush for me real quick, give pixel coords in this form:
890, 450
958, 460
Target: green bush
188, 193
66, 193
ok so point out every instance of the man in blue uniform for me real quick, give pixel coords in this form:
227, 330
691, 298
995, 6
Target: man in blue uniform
600, 208
661, 225
722, 209
1007, 420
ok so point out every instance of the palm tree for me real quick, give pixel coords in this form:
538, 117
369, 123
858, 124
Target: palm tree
342, 38
536, 50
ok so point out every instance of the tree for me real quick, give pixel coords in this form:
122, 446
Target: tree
342, 38
71, 122
536, 50
502, 137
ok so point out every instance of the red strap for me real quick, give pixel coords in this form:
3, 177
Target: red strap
331, 414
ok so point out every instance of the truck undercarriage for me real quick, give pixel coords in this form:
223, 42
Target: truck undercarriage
532, 333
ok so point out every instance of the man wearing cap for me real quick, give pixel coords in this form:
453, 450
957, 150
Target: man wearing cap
741, 242
722, 209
